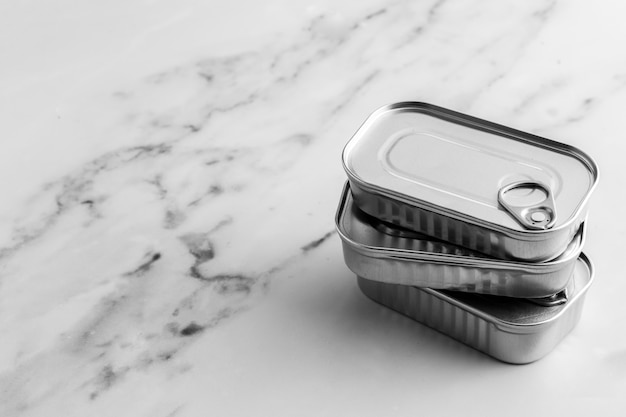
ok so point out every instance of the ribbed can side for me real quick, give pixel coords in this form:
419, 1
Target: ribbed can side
431, 311
527, 344
482, 239
500, 281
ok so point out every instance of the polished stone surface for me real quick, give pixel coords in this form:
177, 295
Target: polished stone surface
170, 173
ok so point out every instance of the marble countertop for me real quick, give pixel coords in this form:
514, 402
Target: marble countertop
170, 173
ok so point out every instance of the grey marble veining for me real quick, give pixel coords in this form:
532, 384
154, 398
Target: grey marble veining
170, 177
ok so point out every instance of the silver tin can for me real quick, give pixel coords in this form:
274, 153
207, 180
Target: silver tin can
379, 252
511, 330
473, 183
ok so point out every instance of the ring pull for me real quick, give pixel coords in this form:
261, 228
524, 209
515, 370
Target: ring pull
530, 203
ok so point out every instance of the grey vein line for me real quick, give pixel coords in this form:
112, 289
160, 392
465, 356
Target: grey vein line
72, 186
419, 30
320, 54
317, 242
543, 15
354, 91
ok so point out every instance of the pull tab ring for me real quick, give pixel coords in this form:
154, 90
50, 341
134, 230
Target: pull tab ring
530, 203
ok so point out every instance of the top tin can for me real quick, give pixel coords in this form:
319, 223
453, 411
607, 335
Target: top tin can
497, 190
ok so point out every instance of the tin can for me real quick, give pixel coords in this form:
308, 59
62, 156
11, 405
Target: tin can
473, 183
511, 330
380, 252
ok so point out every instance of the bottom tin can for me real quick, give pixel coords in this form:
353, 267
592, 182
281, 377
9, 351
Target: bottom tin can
511, 330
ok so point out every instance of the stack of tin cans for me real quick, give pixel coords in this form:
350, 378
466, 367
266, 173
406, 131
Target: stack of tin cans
472, 228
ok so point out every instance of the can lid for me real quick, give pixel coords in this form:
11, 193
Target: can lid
469, 169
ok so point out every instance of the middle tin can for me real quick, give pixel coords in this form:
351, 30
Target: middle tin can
473, 183
391, 255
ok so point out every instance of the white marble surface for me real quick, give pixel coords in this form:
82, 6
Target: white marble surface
169, 177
